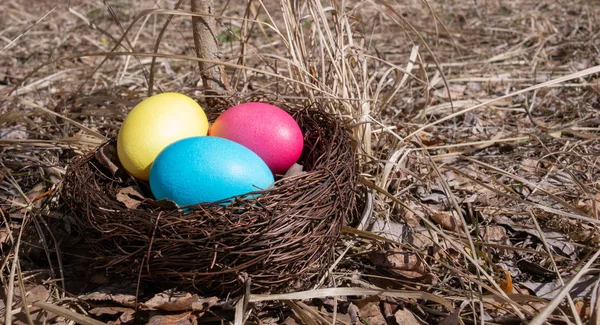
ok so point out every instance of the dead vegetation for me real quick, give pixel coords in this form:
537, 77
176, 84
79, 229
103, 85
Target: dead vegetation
477, 128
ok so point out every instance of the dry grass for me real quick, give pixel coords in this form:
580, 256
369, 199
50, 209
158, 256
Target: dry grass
477, 130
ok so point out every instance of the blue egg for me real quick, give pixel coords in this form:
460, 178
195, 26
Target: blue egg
207, 169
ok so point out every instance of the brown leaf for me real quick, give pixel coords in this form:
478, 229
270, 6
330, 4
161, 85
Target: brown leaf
178, 319
447, 219
204, 303
587, 206
15, 132
37, 293
456, 91
126, 317
34, 193
420, 240
372, 314
32, 294
171, 301
532, 166
451, 319
454, 317
4, 236
555, 239
409, 216
344, 319
353, 312
107, 295
365, 301
99, 311
296, 169
399, 261
130, 196
549, 290
389, 305
391, 230
405, 317
494, 234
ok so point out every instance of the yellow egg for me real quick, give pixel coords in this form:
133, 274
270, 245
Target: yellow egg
155, 123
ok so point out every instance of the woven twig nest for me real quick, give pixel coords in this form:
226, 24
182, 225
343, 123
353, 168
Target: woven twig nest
279, 240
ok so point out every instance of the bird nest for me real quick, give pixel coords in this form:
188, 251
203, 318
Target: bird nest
276, 242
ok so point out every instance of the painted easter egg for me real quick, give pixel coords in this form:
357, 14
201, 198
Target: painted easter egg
207, 169
266, 129
155, 123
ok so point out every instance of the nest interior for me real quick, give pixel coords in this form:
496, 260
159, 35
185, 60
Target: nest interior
278, 241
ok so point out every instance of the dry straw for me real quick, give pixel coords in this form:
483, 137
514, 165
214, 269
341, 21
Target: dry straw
276, 241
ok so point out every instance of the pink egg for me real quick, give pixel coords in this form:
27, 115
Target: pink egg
269, 131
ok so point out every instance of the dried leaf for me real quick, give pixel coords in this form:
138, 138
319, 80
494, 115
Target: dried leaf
456, 91
454, 317
405, 317
420, 240
296, 169
391, 230
112, 294
447, 219
372, 314
409, 216
38, 293
353, 312
553, 238
272, 320
171, 301
36, 192
367, 300
587, 206
549, 290
204, 303
99, 311
494, 234
32, 294
344, 319
388, 308
399, 261
555, 134
4, 236
127, 316
14, 132
130, 196
532, 166
178, 319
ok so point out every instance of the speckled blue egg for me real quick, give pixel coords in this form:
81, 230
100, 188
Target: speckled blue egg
206, 169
